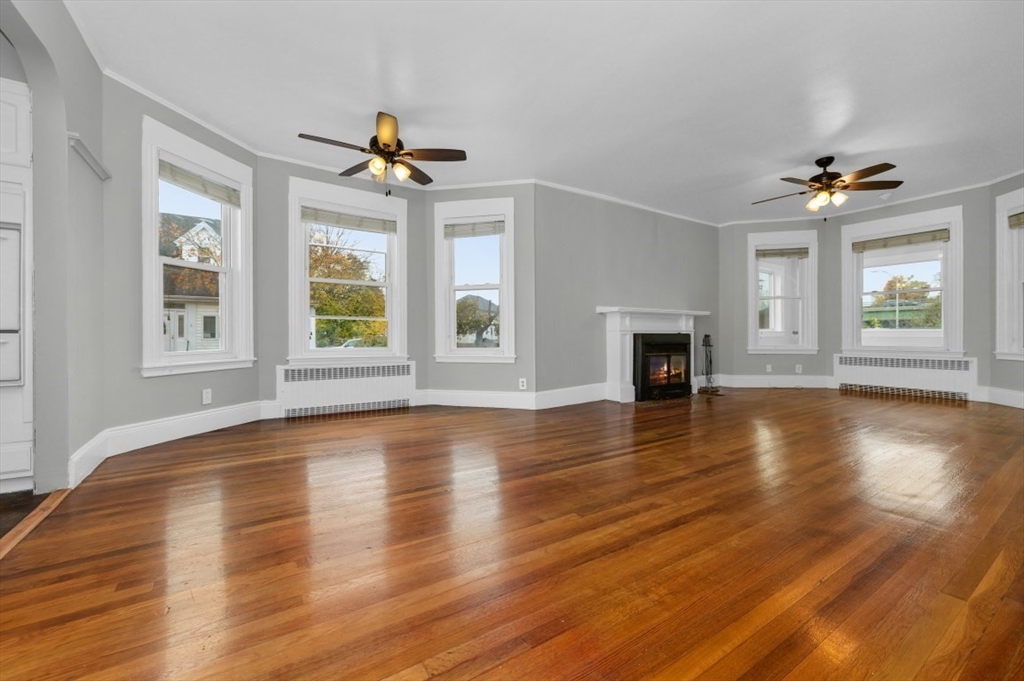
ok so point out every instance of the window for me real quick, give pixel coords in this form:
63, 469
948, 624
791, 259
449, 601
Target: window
474, 284
197, 228
782, 273
347, 297
902, 283
1010, 275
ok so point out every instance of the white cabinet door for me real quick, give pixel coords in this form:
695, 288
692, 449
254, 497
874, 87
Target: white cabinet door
10, 279
15, 123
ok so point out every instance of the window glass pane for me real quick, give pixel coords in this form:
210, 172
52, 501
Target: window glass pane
764, 284
189, 296
190, 226
902, 310
779, 321
903, 276
336, 253
347, 300
764, 315
349, 333
477, 260
477, 319
209, 327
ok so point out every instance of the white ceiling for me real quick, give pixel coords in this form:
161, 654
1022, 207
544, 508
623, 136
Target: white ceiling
692, 108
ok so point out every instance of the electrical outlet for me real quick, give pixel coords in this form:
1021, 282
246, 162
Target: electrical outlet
799, 368
768, 368
522, 384
207, 395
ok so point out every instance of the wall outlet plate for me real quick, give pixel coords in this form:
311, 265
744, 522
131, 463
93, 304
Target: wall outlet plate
768, 368
522, 384
799, 368
207, 395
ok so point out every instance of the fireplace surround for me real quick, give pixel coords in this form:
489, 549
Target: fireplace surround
621, 324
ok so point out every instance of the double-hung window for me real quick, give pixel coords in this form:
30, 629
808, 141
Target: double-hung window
347, 297
197, 262
474, 289
782, 309
902, 283
1010, 275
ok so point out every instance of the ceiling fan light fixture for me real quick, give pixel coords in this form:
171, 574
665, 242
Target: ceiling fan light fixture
401, 171
813, 204
839, 198
821, 199
378, 166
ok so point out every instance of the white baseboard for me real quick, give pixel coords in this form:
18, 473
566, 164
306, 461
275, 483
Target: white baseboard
545, 399
775, 381
16, 484
120, 439
1007, 398
271, 409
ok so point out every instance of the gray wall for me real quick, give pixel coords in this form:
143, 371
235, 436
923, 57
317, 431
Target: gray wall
271, 263
68, 217
10, 63
592, 252
127, 396
979, 287
489, 377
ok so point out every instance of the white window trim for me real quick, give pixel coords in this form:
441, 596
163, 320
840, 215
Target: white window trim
807, 238
159, 140
952, 280
444, 312
1008, 292
313, 194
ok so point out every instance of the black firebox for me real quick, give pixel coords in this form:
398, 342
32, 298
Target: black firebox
661, 366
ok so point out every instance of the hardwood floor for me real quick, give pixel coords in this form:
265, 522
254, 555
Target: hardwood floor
764, 534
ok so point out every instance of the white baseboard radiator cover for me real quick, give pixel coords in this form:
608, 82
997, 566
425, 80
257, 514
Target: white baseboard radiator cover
934, 378
313, 391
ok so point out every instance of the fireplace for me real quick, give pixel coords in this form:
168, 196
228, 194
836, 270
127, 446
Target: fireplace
661, 366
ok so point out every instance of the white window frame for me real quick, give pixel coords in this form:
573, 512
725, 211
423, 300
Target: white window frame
160, 141
952, 280
756, 341
313, 194
1009, 277
444, 290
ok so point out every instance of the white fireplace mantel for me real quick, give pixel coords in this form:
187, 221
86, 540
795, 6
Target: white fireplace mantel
621, 323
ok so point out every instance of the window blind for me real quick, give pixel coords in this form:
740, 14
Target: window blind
198, 184
1016, 221
901, 240
360, 222
468, 229
783, 252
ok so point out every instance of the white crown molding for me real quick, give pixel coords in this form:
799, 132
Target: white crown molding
505, 183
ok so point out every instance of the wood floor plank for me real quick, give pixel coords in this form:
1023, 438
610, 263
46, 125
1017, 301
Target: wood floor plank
761, 534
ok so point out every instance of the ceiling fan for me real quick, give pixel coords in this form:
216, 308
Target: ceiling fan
828, 187
388, 150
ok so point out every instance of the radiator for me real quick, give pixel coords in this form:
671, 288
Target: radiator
310, 391
949, 379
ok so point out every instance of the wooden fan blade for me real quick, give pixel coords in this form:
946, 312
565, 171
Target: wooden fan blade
356, 169
434, 154
387, 130
866, 172
809, 191
794, 180
336, 143
415, 174
866, 186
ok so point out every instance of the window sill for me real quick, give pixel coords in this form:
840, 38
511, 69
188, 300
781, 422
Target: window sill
475, 359
155, 370
782, 350
1012, 356
347, 360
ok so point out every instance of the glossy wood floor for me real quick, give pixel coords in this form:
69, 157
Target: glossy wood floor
794, 534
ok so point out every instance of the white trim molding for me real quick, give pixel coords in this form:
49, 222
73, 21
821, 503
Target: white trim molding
1007, 398
476, 210
950, 218
807, 283
1009, 278
78, 144
162, 142
313, 194
120, 439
